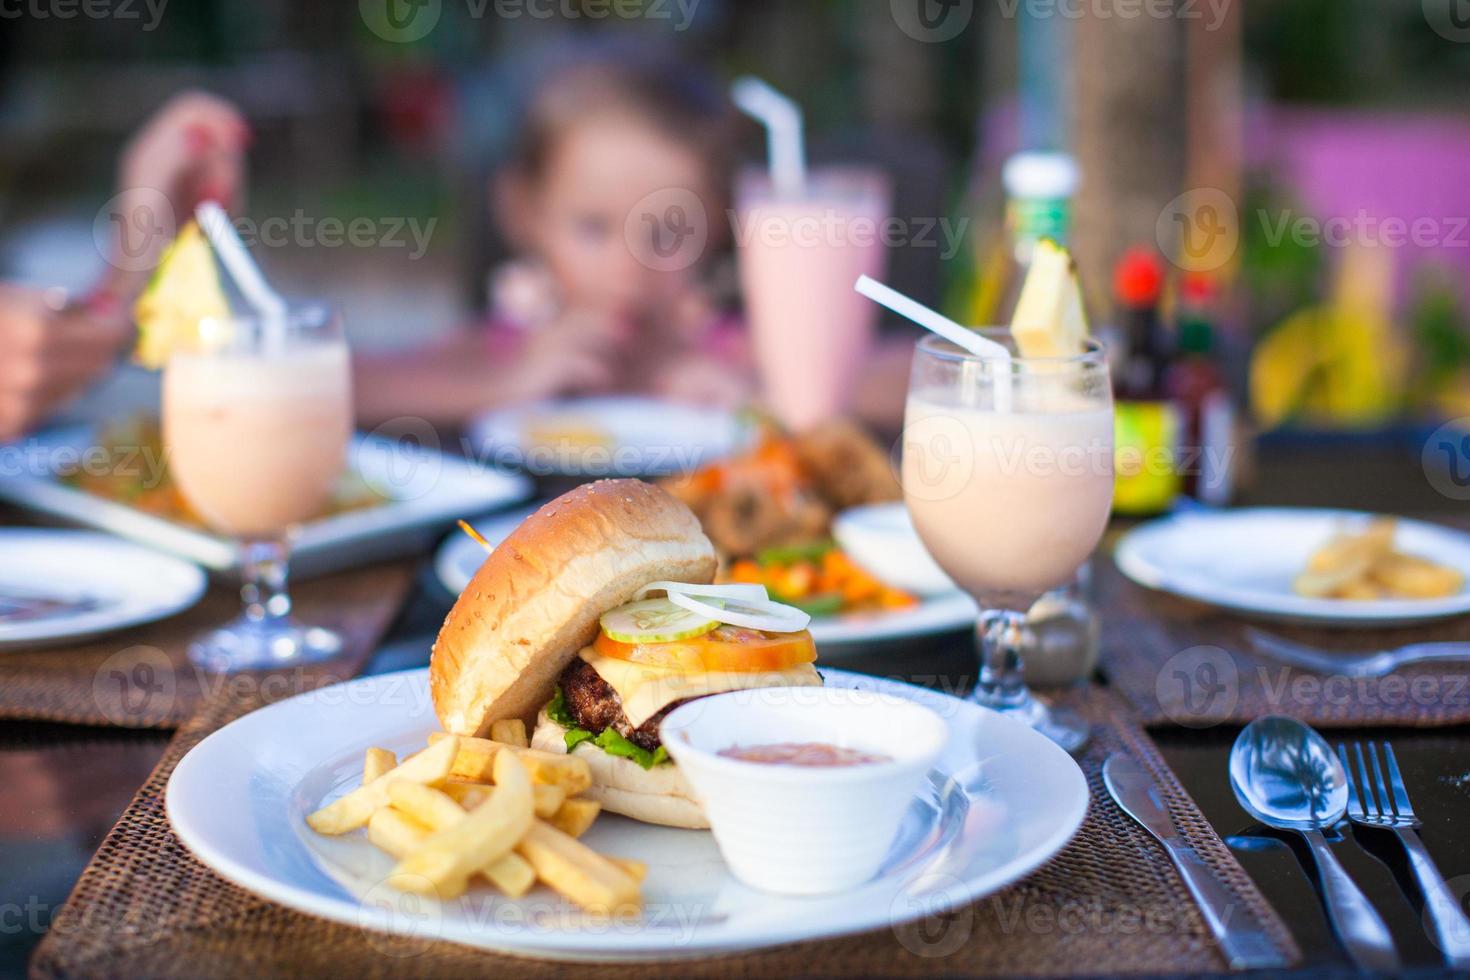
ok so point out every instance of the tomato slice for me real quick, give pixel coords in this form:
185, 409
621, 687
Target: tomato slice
731, 648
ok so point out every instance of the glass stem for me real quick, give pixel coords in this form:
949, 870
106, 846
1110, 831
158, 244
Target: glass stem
264, 588
1000, 684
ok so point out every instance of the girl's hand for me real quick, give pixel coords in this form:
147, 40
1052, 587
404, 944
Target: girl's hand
49, 353
700, 380
190, 150
579, 353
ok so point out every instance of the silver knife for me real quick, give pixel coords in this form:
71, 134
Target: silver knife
1242, 940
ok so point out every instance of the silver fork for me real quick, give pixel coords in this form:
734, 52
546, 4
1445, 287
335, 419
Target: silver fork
1353, 664
1384, 803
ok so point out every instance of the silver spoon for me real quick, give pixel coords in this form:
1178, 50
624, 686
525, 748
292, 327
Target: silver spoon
1286, 776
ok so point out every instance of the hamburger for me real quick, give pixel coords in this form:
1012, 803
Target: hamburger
592, 621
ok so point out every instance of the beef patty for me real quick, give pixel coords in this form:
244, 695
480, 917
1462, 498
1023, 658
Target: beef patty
594, 705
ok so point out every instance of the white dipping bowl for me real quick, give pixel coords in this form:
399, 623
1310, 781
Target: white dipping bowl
804, 830
881, 539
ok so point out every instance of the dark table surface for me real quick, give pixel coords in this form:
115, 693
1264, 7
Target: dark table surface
62, 787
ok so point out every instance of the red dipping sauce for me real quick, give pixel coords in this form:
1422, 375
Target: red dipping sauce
803, 754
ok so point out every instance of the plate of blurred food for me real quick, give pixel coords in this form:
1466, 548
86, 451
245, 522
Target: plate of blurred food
1343, 568
395, 497
608, 436
772, 511
63, 585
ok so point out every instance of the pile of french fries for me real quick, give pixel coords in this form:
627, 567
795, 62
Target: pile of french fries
1368, 566
493, 808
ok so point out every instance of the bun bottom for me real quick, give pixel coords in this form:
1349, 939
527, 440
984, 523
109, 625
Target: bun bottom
659, 795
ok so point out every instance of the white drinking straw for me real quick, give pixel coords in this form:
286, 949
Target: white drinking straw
781, 116
951, 331
243, 270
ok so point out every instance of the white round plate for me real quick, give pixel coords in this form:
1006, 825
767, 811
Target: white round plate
1245, 560
459, 557
129, 583
1000, 801
611, 436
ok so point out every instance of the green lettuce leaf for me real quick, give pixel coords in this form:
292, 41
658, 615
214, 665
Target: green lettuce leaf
575, 737
608, 741
614, 744
557, 710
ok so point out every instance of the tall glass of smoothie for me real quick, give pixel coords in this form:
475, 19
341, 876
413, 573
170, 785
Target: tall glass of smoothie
799, 254
1009, 499
256, 421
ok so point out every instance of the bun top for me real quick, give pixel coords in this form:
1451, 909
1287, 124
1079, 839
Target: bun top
536, 600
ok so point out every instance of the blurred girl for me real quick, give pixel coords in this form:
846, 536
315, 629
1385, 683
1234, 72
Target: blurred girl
614, 200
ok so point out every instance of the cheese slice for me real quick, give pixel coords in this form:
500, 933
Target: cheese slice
645, 690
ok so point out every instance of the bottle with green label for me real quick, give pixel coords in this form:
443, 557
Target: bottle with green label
1039, 188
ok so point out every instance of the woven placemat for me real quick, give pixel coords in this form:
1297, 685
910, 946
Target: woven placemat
142, 678
1110, 902
1179, 662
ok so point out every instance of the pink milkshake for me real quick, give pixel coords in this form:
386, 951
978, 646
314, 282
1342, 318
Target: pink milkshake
799, 257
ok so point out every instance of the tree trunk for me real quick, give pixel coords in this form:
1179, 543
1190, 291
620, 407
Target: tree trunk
1131, 135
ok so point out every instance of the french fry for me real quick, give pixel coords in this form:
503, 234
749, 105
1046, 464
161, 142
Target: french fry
476, 760
1322, 585
511, 873
575, 816
550, 769
1358, 590
1336, 569
354, 810
398, 834
434, 810
443, 864
1348, 552
575, 870
1412, 577
549, 799
378, 761
467, 795
511, 731
635, 869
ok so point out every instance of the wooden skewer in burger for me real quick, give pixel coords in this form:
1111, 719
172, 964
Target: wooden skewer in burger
595, 618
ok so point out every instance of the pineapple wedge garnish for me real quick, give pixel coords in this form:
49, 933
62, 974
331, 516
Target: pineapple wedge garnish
1049, 320
185, 289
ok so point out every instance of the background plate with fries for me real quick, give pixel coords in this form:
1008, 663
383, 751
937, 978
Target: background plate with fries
1305, 565
240, 801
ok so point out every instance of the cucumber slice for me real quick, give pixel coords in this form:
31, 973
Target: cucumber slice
654, 621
